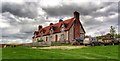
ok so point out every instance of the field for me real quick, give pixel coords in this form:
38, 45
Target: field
97, 52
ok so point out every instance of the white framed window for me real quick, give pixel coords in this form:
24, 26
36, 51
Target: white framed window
62, 36
82, 36
51, 30
41, 33
62, 28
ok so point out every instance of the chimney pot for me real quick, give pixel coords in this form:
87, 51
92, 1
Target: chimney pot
51, 23
39, 27
60, 20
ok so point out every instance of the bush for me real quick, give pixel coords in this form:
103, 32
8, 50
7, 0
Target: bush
55, 43
41, 40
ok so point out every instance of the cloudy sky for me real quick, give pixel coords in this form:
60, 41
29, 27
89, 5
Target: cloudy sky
20, 18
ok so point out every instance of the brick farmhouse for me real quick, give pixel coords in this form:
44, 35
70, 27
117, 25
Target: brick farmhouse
64, 31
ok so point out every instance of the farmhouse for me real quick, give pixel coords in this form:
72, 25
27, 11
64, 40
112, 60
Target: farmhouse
64, 31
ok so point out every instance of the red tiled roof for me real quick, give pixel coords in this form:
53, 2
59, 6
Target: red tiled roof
56, 27
36, 32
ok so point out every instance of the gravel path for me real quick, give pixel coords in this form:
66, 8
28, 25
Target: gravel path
60, 47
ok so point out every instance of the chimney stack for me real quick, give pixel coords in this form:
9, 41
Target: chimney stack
39, 27
60, 20
51, 23
76, 15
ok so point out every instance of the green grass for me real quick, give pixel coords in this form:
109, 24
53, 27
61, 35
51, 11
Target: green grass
98, 52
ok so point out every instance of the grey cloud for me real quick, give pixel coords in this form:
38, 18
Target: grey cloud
66, 10
92, 22
19, 35
23, 36
18, 29
119, 6
110, 9
27, 28
27, 9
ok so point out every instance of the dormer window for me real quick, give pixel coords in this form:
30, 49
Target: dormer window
41, 33
62, 28
51, 30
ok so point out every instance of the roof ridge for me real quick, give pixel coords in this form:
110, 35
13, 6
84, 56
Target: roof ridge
57, 23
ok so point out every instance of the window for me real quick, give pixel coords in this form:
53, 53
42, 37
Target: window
56, 38
50, 38
82, 36
51, 30
62, 36
41, 33
62, 28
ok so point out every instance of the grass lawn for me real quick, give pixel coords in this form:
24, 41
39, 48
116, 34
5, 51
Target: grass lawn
97, 52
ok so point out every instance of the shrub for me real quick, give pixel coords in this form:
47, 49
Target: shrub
55, 43
41, 40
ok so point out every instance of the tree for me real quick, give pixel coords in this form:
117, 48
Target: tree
117, 35
112, 31
99, 37
41, 40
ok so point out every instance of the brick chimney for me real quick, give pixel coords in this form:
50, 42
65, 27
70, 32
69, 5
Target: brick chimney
76, 15
39, 27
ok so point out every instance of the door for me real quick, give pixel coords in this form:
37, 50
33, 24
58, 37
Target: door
56, 38
46, 39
